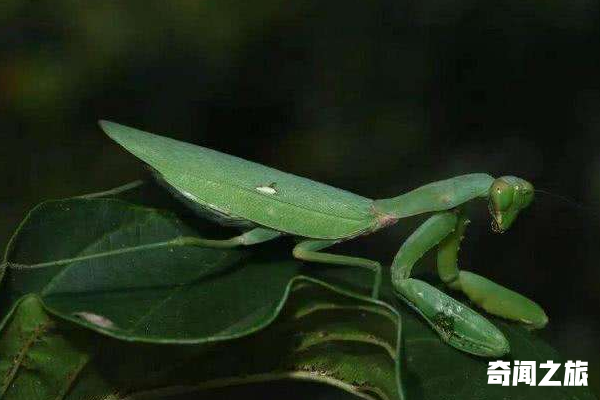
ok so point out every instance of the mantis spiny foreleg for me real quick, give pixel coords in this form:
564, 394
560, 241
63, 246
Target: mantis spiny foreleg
456, 323
488, 295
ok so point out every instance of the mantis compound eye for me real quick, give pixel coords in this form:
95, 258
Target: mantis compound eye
527, 193
501, 195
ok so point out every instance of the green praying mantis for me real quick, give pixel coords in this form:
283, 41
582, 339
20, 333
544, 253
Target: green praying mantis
267, 203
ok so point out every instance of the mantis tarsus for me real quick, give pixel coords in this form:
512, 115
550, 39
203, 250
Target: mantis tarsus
267, 203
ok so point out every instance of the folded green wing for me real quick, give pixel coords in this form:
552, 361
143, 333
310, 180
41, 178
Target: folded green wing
243, 189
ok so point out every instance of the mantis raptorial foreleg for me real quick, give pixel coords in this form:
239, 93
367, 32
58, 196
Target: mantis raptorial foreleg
253, 236
454, 322
488, 295
309, 250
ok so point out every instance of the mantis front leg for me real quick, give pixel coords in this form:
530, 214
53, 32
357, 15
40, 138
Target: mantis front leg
488, 295
456, 323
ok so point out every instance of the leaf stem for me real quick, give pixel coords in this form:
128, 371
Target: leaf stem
177, 242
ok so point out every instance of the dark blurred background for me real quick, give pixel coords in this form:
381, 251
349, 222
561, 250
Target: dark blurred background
373, 96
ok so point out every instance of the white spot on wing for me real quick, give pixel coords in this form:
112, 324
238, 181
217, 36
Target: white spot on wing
267, 189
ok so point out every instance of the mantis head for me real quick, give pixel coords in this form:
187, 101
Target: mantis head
507, 197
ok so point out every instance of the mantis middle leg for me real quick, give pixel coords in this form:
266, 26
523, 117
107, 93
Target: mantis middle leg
309, 250
253, 236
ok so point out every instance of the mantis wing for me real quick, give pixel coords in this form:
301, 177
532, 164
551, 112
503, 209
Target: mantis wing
242, 189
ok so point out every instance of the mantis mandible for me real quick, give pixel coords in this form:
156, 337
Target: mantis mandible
266, 204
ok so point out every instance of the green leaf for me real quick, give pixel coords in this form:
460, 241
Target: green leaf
322, 335
115, 269
122, 262
36, 361
237, 292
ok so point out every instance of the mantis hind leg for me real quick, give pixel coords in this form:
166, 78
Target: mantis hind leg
488, 295
253, 236
309, 250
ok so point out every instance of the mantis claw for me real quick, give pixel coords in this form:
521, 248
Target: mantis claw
455, 323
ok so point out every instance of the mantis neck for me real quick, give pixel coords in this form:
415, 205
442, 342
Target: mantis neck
436, 196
